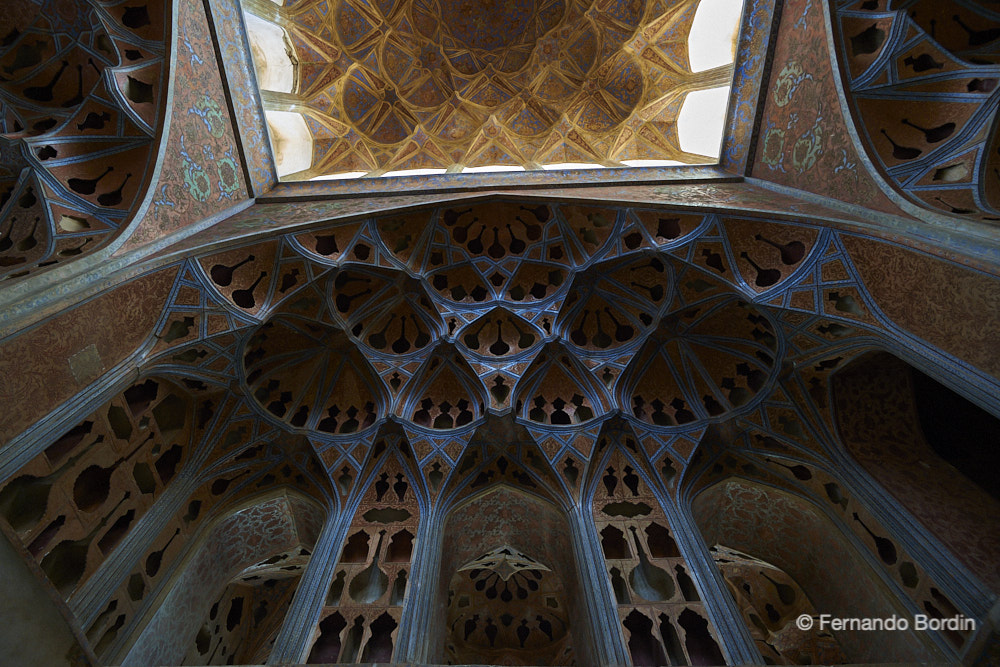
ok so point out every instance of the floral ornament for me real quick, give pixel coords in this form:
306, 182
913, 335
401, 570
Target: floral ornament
229, 180
195, 178
209, 111
808, 148
774, 146
788, 81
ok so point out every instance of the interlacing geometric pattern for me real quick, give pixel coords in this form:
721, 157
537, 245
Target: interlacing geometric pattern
561, 314
81, 104
923, 77
619, 358
388, 86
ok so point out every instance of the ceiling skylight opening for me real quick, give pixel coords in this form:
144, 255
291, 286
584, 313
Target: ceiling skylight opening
491, 168
407, 89
652, 163
413, 172
339, 177
572, 165
291, 141
271, 60
702, 120
712, 40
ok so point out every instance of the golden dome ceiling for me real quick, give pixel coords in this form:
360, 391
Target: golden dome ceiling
374, 88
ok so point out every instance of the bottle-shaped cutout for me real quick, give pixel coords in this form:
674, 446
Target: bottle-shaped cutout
400, 487
398, 589
92, 485
461, 233
517, 246
378, 340
75, 250
66, 563
610, 481
423, 337
531, 230
496, 249
344, 300
5, 241
139, 91
29, 241
785, 592
289, 280
244, 298
219, 486
352, 643
868, 40
656, 291
114, 197
955, 209
24, 500
619, 587
978, 85
28, 54
402, 344
934, 134
901, 152
688, 589
886, 549
649, 581
44, 93
791, 252
87, 186
922, 63
765, 277
578, 335
222, 275
336, 589
76, 99
623, 331
371, 583
801, 472
977, 37
94, 121
499, 346
476, 244
326, 245
43, 538
601, 340
155, 559
525, 339
451, 216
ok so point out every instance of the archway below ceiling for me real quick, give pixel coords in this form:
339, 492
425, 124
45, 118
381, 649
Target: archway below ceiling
792, 534
509, 591
925, 444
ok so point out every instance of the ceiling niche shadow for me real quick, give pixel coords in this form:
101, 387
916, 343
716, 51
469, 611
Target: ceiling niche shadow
510, 593
924, 443
227, 600
792, 541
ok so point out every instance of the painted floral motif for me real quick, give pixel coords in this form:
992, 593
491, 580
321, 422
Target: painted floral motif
808, 148
208, 110
788, 81
774, 145
802, 117
207, 149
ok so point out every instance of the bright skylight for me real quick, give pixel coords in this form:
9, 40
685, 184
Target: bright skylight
291, 141
712, 40
275, 70
403, 92
702, 120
